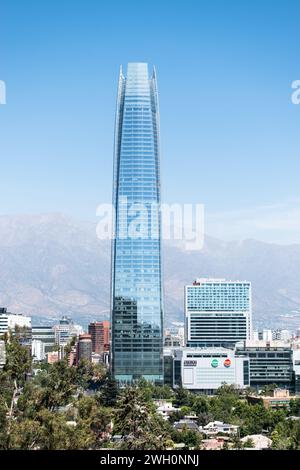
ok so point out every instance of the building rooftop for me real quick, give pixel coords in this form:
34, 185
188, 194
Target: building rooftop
205, 280
259, 441
186, 423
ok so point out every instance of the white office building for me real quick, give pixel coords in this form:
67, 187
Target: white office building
267, 335
9, 321
217, 312
38, 350
45, 334
285, 335
206, 369
66, 330
2, 354
255, 335
296, 367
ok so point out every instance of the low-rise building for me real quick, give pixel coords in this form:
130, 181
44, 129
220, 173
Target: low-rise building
278, 399
259, 441
212, 444
185, 423
165, 408
218, 427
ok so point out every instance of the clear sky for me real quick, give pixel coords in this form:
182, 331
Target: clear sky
229, 132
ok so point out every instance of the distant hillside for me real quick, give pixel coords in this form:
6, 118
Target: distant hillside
52, 264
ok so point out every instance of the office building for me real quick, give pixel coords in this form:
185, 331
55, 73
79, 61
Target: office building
46, 335
84, 348
99, 332
270, 362
267, 335
137, 304
218, 313
296, 367
174, 336
10, 321
172, 367
65, 330
38, 350
282, 335
255, 335
2, 354
206, 369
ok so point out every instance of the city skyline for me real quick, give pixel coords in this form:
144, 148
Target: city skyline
149, 230
217, 71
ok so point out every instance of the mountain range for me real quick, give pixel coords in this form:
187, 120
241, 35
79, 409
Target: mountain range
54, 265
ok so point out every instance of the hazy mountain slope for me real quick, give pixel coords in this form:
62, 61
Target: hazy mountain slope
52, 265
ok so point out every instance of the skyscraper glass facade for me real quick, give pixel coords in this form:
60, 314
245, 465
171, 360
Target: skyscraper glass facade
137, 305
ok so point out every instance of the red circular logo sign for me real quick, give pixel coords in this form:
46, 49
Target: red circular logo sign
227, 362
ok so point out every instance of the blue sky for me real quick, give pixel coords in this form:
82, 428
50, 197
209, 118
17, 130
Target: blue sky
230, 134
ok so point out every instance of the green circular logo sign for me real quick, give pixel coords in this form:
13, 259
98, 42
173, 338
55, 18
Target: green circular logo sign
214, 363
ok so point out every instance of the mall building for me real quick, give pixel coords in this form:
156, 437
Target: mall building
204, 370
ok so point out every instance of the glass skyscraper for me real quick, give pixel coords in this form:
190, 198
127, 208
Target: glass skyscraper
137, 304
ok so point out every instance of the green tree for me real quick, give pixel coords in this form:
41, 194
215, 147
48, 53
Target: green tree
268, 390
18, 360
58, 434
98, 419
248, 444
228, 390
279, 442
175, 416
200, 405
58, 385
191, 438
162, 392
295, 407
136, 420
186, 410
84, 374
15, 370
183, 397
236, 442
109, 392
